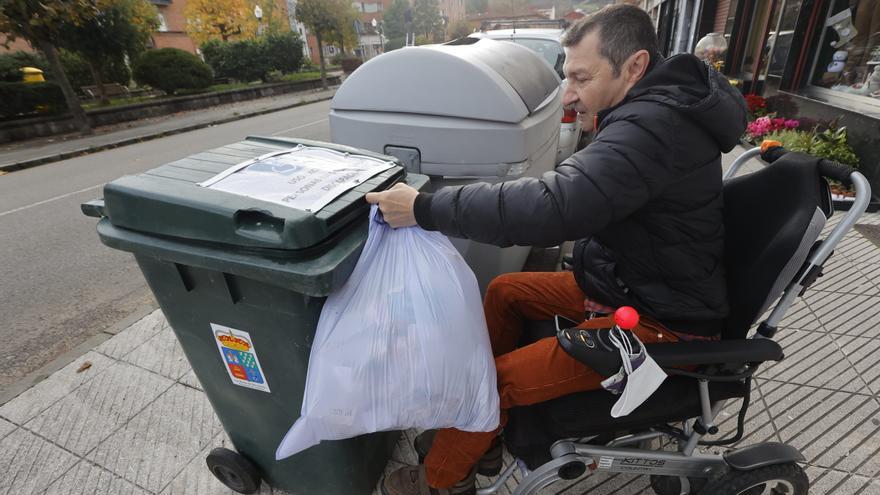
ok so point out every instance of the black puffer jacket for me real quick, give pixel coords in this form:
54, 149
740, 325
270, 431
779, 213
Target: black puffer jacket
644, 198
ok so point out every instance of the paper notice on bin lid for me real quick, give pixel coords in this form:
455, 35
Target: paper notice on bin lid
306, 178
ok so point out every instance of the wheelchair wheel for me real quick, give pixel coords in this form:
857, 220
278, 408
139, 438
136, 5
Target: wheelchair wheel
671, 485
779, 479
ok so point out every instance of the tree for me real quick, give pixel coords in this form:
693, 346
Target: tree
219, 19
41, 24
120, 28
345, 33
459, 29
508, 7
395, 22
426, 16
476, 6
328, 20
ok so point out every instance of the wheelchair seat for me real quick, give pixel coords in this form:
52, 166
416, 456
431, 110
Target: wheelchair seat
772, 219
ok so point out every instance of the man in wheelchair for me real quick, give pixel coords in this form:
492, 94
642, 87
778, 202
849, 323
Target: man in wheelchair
645, 198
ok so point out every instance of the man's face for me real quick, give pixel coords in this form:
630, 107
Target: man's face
591, 85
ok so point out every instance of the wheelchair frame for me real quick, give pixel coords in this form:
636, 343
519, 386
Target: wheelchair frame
572, 457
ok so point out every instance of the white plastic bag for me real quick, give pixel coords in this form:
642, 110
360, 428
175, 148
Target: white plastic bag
403, 344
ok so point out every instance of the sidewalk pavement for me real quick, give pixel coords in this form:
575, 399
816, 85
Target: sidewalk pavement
24, 154
130, 417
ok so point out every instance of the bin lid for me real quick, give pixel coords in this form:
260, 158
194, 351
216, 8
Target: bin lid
488, 80
183, 199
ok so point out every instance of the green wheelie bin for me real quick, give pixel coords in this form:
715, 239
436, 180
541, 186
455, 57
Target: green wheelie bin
241, 280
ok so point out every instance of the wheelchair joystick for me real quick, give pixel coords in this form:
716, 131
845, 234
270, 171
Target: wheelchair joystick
594, 346
626, 317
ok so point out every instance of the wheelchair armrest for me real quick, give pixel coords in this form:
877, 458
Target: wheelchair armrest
714, 352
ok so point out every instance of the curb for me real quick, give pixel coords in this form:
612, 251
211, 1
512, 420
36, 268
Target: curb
35, 162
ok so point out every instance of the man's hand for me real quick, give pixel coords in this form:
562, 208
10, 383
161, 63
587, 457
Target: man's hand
396, 205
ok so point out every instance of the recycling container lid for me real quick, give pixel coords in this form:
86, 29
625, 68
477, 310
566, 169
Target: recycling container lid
488, 80
278, 196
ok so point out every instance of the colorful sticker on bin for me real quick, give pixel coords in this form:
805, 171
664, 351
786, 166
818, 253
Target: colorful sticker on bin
240, 357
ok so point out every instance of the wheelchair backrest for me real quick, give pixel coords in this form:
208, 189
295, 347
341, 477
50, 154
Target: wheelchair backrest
772, 218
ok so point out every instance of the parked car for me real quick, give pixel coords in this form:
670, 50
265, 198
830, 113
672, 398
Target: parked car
546, 43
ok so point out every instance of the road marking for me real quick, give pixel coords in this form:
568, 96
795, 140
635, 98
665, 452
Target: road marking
300, 126
56, 198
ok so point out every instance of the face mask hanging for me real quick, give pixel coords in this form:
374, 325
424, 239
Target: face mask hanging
637, 379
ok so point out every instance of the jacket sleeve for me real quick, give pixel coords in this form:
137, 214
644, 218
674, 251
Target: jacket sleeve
628, 164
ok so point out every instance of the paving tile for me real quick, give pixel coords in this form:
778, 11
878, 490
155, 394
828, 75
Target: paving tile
864, 353
161, 354
190, 380
6, 428
92, 412
842, 275
826, 481
89, 479
847, 314
832, 429
28, 463
195, 479
799, 315
813, 358
40, 397
599, 483
152, 448
758, 426
133, 336
858, 249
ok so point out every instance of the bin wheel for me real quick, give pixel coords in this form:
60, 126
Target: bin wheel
779, 479
233, 470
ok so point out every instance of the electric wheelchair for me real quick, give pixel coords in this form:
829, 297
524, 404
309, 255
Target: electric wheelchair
773, 220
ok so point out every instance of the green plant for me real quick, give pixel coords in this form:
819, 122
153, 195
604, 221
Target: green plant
171, 70
832, 144
25, 99
793, 140
274, 76
80, 74
394, 44
284, 51
349, 64
11, 64
249, 60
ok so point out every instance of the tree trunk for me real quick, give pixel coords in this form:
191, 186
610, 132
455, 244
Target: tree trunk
321, 58
99, 82
79, 116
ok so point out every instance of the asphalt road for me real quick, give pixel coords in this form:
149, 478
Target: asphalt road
59, 286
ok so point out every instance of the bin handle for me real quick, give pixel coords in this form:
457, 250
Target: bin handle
94, 208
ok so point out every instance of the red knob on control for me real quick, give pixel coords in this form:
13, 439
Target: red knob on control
626, 317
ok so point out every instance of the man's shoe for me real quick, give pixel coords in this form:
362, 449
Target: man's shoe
490, 464
412, 480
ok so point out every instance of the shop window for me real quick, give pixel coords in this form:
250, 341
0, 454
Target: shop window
729, 19
848, 59
780, 36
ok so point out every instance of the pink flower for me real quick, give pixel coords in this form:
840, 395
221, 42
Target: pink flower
792, 124
760, 126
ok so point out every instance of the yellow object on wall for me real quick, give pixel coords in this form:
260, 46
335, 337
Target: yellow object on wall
32, 75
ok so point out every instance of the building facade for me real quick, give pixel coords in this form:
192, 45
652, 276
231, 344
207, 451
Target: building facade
822, 55
172, 26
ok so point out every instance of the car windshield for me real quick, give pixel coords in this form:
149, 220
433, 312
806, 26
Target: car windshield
549, 50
